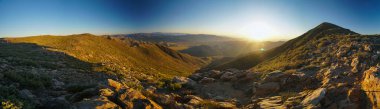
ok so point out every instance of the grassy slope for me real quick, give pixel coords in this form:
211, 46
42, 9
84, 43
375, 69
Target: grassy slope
286, 54
117, 54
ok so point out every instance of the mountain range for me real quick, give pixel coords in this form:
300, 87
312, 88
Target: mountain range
326, 67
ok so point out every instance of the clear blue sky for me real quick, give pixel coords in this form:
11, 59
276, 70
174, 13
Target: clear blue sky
258, 19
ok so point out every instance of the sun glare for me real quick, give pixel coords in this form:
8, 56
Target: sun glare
258, 31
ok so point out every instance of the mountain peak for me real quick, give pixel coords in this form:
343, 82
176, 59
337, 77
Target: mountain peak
327, 25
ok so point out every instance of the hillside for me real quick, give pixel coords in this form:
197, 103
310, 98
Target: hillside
327, 67
119, 55
320, 31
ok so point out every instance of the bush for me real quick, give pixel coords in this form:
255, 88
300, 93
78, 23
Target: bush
10, 100
175, 86
30, 80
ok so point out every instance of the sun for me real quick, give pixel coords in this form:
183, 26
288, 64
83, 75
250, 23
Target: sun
258, 31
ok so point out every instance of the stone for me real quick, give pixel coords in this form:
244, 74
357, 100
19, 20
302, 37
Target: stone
227, 76
226, 105
214, 74
106, 92
355, 62
57, 84
88, 93
165, 99
196, 76
371, 86
193, 100
26, 94
57, 103
267, 88
115, 84
315, 97
367, 47
184, 81
96, 103
274, 76
206, 80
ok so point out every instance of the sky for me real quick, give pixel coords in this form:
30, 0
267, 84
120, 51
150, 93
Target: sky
253, 19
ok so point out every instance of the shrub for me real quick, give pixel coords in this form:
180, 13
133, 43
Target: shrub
30, 80
175, 86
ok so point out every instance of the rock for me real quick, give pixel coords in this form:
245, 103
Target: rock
355, 62
142, 104
57, 84
271, 103
214, 74
367, 47
274, 76
226, 105
26, 94
371, 86
57, 103
106, 92
206, 80
88, 93
98, 102
184, 81
115, 84
227, 76
193, 100
315, 97
151, 89
333, 106
267, 88
1, 76
196, 76
165, 99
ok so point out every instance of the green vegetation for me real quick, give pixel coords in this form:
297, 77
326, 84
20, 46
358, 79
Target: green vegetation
29, 80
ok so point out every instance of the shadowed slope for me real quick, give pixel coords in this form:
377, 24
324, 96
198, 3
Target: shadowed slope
119, 54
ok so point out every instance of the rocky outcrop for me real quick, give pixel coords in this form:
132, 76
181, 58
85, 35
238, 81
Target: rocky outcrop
371, 86
314, 98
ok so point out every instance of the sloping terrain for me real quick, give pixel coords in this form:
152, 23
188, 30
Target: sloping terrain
254, 58
84, 71
119, 55
327, 67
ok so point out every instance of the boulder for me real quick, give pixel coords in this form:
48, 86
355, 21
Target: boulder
106, 92
57, 84
115, 84
214, 74
193, 100
98, 102
227, 76
196, 76
266, 88
367, 47
26, 94
274, 76
371, 86
184, 81
206, 80
315, 97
